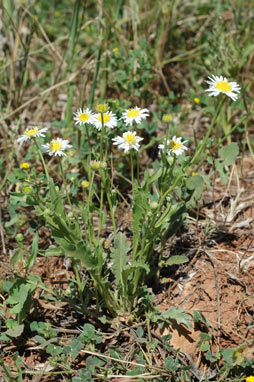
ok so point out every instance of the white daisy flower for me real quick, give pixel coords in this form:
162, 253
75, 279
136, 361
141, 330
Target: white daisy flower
109, 120
83, 116
128, 141
134, 114
56, 147
174, 146
32, 133
221, 85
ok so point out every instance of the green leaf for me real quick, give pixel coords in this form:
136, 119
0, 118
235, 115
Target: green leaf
15, 332
140, 207
119, 256
18, 255
165, 216
195, 183
149, 179
222, 171
32, 257
175, 260
53, 251
229, 153
204, 347
178, 314
79, 252
199, 317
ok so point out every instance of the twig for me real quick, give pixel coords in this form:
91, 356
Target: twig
217, 294
2, 233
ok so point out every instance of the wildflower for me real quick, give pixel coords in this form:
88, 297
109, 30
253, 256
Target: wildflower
102, 107
32, 133
194, 173
96, 165
109, 120
134, 115
250, 379
196, 100
115, 50
221, 85
174, 146
24, 166
83, 116
128, 141
167, 118
56, 147
84, 183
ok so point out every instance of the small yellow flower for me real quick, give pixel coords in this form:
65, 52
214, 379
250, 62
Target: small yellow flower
115, 50
196, 100
102, 107
36, 18
167, 118
193, 173
57, 13
250, 379
84, 183
24, 166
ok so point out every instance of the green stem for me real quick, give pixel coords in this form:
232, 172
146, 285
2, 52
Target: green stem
132, 173
112, 213
216, 114
90, 218
65, 185
42, 159
101, 138
80, 290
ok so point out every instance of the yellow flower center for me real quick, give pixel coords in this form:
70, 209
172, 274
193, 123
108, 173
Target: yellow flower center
196, 100
55, 146
130, 139
174, 145
102, 107
29, 133
83, 117
133, 113
106, 118
223, 86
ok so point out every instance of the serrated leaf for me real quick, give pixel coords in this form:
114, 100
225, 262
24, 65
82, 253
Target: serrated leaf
175, 260
32, 257
79, 252
118, 256
178, 314
229, 153
140, 207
